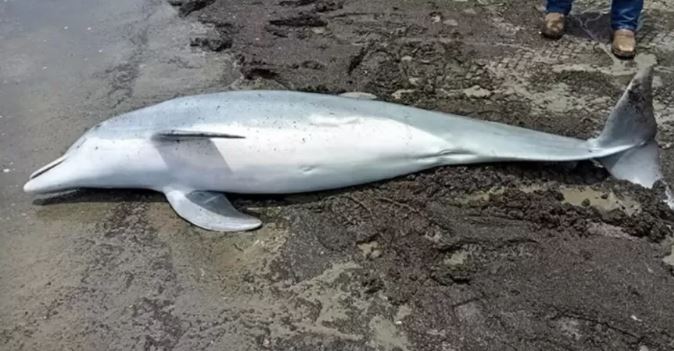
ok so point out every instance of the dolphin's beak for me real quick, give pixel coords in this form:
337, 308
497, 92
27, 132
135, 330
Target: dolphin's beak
35, 186
41, 181
30, 187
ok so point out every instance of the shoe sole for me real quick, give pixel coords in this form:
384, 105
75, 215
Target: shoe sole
553, 36
623, 54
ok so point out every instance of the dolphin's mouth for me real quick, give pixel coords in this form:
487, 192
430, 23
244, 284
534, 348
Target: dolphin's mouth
46, 168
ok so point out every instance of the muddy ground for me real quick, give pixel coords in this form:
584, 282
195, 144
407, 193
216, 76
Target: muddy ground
486, 257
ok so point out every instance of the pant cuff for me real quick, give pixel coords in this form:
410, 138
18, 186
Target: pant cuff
624, 26
557, 10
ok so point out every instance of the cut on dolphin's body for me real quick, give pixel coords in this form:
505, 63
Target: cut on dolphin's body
194, 149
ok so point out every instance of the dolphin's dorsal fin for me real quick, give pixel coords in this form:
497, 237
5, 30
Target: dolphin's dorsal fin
186, 134
209, 210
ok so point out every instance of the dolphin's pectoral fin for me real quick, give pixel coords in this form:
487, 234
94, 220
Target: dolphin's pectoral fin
176, 134
210, 210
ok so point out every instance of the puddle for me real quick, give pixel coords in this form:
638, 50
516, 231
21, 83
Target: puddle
386, 336
669, 260
370, 249
577, 196
458, 258
479, 196
605, 201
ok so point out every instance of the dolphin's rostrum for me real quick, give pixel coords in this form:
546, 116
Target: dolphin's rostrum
194, 149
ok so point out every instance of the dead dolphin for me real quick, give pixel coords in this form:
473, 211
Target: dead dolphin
194, 149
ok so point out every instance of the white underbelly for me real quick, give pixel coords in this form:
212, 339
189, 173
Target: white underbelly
316, 157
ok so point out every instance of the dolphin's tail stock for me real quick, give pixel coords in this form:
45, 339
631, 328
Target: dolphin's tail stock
632, 123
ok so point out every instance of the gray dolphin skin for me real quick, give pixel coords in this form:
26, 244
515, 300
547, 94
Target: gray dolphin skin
194, 149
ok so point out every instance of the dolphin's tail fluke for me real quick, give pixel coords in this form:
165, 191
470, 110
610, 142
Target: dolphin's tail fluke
640, 165
632, 123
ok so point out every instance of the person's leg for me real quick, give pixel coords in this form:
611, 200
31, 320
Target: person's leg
625, 14
555, 15
558, 6
624, 21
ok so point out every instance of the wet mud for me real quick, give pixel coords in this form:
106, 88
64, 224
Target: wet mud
515, 256
485, 257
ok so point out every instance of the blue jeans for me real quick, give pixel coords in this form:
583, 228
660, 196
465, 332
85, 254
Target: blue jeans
624, 13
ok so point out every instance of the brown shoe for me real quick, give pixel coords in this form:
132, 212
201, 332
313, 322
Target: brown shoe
553, 27
624, 43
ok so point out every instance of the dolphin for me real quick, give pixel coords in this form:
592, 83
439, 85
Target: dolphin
196, 148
